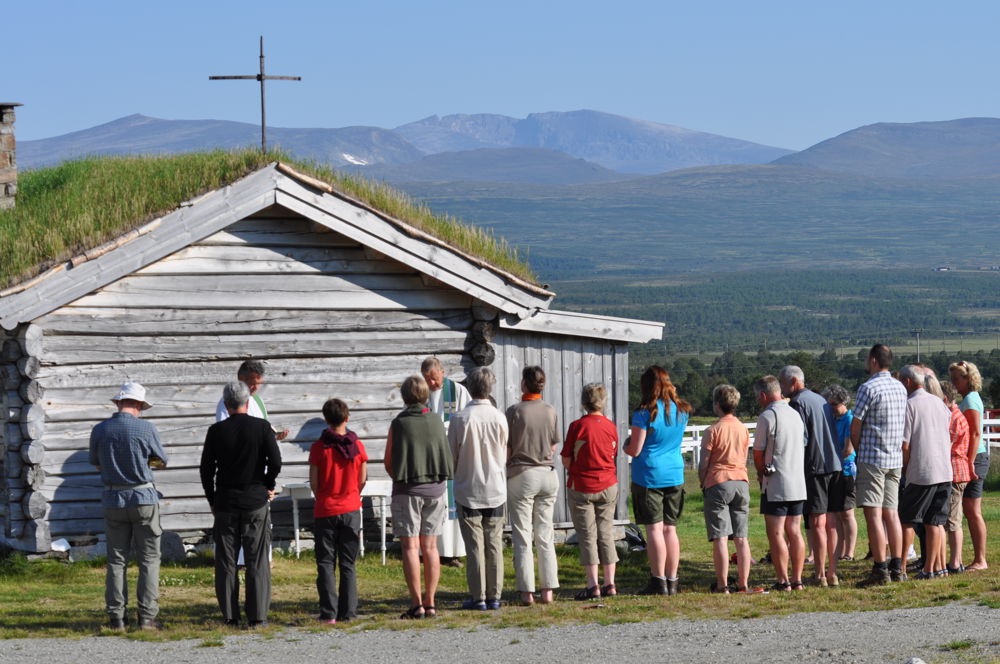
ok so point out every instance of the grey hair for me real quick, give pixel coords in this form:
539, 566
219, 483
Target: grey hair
837, 394
480, 382
255, 367
767, 385
914, 373
791, 371
932, 384
235, 394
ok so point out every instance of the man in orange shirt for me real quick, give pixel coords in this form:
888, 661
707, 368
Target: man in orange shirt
726, 486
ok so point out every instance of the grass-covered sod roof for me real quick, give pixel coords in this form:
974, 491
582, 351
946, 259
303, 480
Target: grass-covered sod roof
68, 209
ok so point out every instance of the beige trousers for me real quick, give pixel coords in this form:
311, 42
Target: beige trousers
593, 517
531, 499
482, 530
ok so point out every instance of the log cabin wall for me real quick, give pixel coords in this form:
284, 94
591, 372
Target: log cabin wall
328, 316
569, 363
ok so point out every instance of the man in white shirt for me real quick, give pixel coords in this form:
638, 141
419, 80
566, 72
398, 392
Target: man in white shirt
478, 440
927, 463
448, 397
251, 374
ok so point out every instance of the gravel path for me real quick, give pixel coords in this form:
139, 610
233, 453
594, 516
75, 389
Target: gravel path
877, 636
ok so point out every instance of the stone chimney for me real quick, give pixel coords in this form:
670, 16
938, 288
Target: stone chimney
8, 164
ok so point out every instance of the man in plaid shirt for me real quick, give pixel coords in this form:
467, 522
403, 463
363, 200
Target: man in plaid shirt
877, 435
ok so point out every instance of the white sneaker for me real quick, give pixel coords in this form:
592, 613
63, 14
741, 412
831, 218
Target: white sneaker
911, 554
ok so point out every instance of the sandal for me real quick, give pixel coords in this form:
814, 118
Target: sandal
756, 590
430, 612
797, 585
610, 590
781, 586
724, 590
415, 613
593, 592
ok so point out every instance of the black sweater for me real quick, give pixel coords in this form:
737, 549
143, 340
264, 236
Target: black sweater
239, 463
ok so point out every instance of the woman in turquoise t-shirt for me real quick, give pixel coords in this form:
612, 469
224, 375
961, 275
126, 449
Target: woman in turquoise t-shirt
967, 380
658, 475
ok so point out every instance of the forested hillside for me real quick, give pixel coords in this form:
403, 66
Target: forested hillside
695, 378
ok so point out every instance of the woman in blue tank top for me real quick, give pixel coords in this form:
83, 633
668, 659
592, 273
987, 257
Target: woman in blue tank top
658, 475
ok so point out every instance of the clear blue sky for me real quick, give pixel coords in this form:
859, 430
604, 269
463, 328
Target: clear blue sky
788, 74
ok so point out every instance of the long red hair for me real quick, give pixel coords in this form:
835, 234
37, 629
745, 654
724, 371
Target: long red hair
655, 385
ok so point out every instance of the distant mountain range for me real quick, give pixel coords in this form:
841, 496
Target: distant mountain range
138, 134
571, 187
969, 147
608, 142
612, 141
535, 165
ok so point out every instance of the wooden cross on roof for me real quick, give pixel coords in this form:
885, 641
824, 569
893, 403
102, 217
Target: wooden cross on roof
259, 77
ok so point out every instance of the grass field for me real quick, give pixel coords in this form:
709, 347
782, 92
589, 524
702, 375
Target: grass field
53, 599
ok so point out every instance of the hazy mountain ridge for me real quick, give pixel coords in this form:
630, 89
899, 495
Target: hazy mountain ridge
968, 147
139, 134
611, 142
615, 142
523, 165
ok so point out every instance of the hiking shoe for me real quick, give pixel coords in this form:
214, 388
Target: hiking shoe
654, 586
818, 581
878, 576
898, 575
150, 625
673, 586
116, 624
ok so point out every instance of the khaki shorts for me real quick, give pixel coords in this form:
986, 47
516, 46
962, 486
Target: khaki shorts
418, 515
877, 487
955, 507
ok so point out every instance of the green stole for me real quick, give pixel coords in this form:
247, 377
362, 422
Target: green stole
449, 405
260, 404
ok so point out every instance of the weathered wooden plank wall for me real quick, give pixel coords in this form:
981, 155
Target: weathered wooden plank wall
331, 319
569, 364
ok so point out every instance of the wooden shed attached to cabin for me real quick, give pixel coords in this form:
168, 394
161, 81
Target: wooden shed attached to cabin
338, 298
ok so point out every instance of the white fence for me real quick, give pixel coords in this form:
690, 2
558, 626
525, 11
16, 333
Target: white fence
692, 437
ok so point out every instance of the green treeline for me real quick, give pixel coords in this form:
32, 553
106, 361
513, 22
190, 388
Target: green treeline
695, 379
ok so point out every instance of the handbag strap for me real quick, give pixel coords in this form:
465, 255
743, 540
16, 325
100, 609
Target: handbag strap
769, 449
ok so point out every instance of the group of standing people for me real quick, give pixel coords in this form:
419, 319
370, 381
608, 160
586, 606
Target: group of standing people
458, 464
909, 453
479, 465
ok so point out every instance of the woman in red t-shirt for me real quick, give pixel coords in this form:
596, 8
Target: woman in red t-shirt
592, 479
338, 470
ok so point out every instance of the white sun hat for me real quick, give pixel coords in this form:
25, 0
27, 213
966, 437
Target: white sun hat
133, 391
